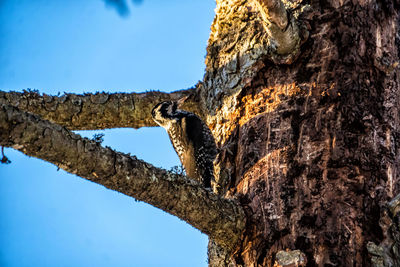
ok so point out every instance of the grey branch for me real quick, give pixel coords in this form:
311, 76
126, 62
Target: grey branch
282, 28
100, 110
222, 219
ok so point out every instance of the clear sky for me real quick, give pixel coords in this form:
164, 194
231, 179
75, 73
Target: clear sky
52, 218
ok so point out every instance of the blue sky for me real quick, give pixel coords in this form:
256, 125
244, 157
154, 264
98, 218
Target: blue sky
52, 218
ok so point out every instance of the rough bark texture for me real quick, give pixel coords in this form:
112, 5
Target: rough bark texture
273, 11
283, 31
221, 219
311, 149
100, 110
388, 251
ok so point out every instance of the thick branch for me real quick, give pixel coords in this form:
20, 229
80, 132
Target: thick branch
273, 11
282, 28
97, 111
221, 219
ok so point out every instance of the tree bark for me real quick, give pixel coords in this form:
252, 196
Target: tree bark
310, 149
388, 251
222, 219
309, 142
100, 110
283, 30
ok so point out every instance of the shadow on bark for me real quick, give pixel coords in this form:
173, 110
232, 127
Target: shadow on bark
314, 168
311, 149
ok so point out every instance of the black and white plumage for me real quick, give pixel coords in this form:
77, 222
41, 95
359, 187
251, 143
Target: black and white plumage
191, 139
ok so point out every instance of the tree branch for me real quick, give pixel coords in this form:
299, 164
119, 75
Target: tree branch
282, 28
222, 219
97, 111
273, 11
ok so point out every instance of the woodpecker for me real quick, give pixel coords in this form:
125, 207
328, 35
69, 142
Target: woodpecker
191, 139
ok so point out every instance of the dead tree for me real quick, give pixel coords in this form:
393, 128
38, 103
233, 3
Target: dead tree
303, 99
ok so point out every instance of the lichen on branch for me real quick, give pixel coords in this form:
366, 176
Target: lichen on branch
222, 219
97, 111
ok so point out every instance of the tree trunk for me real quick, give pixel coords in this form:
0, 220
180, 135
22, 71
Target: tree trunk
303, 100
311, 149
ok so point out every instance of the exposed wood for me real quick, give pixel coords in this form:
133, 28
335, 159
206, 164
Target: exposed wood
310, 148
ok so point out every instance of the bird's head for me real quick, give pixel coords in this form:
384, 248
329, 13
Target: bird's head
164, 112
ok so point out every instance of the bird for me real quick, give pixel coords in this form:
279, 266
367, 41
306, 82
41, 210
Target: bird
191, 139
